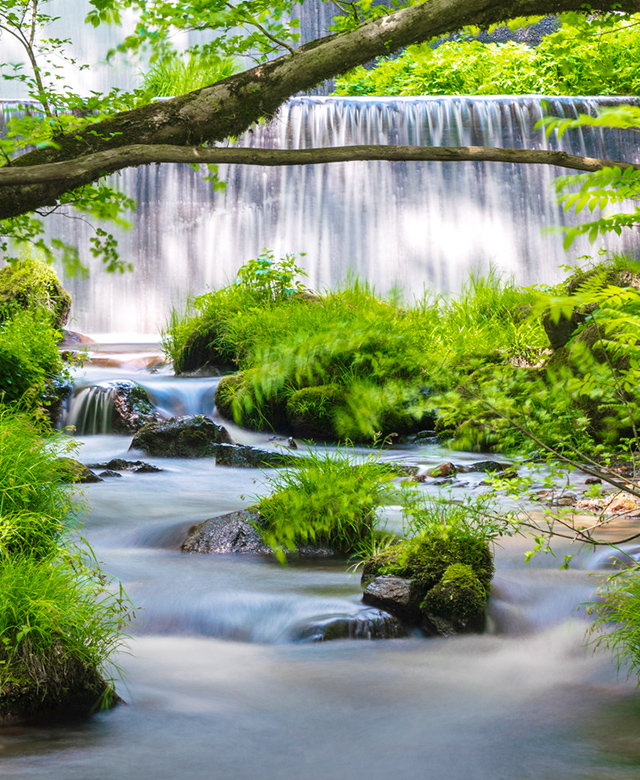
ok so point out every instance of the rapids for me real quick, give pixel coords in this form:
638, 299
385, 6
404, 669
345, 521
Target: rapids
220, 681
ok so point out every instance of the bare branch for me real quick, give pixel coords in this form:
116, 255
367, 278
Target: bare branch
109, 161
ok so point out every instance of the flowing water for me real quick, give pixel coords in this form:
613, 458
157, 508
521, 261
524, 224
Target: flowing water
223, 680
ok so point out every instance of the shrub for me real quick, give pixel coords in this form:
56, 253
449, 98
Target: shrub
331, 499
33, 285
58, 622
571, 61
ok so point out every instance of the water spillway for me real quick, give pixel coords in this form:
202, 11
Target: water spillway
411, 225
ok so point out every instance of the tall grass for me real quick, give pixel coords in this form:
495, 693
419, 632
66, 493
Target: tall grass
59, 619
332, 499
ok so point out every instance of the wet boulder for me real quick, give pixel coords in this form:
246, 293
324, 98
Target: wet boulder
130, 407
397, 595
243, 456
194, 436
72, 470
237, 532
368, 624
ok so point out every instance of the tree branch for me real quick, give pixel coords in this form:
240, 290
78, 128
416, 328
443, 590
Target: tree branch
93, 165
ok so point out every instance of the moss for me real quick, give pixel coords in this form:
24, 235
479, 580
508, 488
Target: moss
34, 285
203, 348
427, 557
237, 400
311, 410
456, 604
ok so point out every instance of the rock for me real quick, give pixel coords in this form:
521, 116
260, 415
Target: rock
74, 471
397, 595
72, 339
369, 624
236, 399
76, 693
456, 605
109, 473
119, 464
443, 470
31, 284
131, 407
593, 481
181, 437
236, 532
484, 465
243, 456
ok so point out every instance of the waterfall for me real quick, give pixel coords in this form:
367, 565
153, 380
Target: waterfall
410, 225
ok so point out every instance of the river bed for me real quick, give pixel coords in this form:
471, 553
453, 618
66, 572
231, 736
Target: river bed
219, 681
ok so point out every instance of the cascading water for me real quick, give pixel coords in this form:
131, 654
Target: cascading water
414, 225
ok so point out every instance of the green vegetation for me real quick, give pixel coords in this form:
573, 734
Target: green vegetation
33, 305
176, 74
331, 500
347, 364
596, 57
58, 621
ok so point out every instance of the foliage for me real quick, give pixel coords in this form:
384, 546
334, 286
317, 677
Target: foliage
176, 74
58, 621
32, 284
348, 364
269, 280
582, 58
332, 499
617, 622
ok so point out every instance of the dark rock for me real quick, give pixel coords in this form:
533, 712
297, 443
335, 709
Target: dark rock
130, 407
77, 691
593, 481
72, 339
231, 533
484, 465
236, 532
456, 605
74, 471
109, 473
181, 437
397, 595
369, 624
243, 456
119, 464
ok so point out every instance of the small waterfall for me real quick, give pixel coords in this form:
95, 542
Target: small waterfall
91, 409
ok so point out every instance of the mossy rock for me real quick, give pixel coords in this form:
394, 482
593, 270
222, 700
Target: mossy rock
72, 471
237, 400
34, 285
456, 604
311, 411
425, 558
202, 349
75, 690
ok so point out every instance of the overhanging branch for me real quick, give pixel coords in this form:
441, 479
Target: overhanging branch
86, 168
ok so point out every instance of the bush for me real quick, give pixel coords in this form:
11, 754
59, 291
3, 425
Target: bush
58, 622
571, 61
332, 499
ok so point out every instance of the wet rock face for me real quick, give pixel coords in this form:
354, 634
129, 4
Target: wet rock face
237, 532
181, 437
131, 407
397, 595
370, 624
231, 533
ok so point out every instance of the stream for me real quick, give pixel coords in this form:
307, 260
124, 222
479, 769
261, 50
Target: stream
222, 678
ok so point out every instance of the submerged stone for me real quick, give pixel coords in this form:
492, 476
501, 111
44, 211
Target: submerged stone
369, 624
